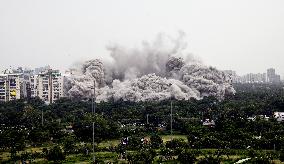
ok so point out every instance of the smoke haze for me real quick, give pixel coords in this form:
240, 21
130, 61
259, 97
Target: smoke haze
159, 70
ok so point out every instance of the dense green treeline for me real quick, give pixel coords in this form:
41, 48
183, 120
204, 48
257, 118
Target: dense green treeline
30, 122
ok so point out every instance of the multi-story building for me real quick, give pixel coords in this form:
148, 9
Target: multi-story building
33, 84
250, 78
255, 78
3, 87
277, 78
270, 73
269, 77
10, 86
16, 84
272, 77
232, 74
41, 69
47, 85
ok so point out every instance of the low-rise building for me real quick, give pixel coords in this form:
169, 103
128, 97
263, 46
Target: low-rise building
208, 122
262, 117
279, 116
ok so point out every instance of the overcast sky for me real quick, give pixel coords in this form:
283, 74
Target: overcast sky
242, 35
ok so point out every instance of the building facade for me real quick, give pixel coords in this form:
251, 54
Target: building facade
272, 77
3, 87
10, 87
47, 85
16, 84
269, 77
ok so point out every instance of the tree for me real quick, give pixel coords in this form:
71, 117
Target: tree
281, 156
135, 143
167, 153
14, 139
142, 156
186, 157
27, 157
104, 129
259, 160
176, 143
156, 141
38, 135
69, 144
210, 160
148, 155
55, 154
55, 130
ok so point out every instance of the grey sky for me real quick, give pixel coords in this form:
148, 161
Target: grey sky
243, 35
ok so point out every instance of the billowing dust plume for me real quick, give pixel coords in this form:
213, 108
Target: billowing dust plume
156, 71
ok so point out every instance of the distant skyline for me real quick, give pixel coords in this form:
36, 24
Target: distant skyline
241, 35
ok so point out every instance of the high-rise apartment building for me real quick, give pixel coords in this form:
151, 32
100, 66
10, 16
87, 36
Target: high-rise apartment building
3, 87
269, 77
272, 77
19, 83
270, 74
10, 86
47, 85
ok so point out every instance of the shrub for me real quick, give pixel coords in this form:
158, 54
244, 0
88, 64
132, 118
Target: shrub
69, 144
210, 160
186, 156
258, 160
156, 141
143, 156
176, 143
281, 156
134, 143
55, 154
167, 153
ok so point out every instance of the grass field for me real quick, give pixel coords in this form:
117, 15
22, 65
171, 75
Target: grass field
109, 143
166, 138
4, 156
104, 144
113, 157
